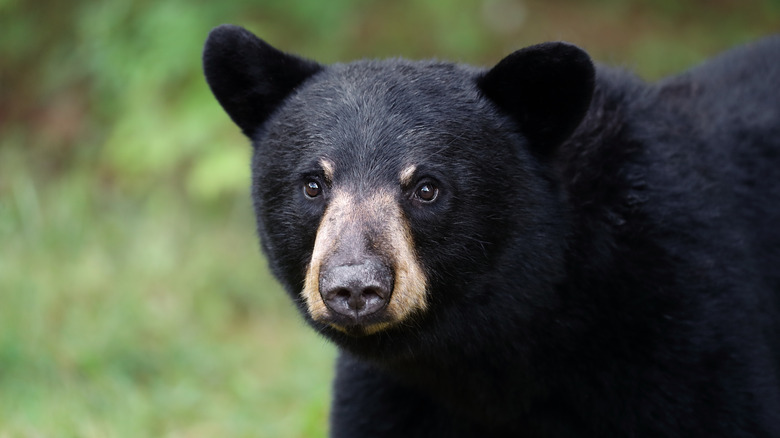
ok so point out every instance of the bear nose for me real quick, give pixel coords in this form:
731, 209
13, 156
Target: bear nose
356, 290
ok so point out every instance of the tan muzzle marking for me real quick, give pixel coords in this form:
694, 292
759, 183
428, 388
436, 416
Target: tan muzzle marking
346, 212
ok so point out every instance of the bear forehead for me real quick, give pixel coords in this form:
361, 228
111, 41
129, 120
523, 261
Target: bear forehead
373, 119
391, 86
367, 106
376, 75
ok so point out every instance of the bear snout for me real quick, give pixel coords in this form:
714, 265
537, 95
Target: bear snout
356, 291
363, 275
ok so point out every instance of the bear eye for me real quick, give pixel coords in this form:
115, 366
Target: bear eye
312, 189
426, 192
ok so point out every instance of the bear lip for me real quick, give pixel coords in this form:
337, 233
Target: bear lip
358, 325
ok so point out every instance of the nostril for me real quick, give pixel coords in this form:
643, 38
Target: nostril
356, 290
355, 300
370, 293
372, 300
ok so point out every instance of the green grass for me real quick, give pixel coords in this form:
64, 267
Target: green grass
130, 317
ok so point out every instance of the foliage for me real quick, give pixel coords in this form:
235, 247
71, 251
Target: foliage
134, 299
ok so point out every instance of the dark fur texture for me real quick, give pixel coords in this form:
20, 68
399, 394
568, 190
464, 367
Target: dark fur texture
620, 280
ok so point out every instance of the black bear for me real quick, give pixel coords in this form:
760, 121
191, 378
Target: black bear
545, 248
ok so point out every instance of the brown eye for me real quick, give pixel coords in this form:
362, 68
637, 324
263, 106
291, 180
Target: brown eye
312, 189
427, 192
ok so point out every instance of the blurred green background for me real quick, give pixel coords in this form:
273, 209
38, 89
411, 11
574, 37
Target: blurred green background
133, 298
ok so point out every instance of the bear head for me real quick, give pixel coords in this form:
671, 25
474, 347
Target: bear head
386, 191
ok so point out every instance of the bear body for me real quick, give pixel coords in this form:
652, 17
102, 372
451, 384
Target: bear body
543, 248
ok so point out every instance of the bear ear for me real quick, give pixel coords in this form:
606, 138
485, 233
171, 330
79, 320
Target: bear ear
249, 78
547, 88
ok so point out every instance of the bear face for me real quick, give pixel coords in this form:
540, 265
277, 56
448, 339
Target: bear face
386, 197
383, 189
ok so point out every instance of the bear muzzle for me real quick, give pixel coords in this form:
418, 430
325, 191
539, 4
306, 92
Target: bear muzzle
363, 276
356, 291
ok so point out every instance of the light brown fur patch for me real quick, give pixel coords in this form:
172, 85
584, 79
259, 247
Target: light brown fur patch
328, 169
345, 212
405, 177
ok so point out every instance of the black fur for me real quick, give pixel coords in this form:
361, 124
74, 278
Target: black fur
546, 89
624, 282
249, 76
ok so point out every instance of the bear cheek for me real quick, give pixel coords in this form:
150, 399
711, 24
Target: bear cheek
364, 275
